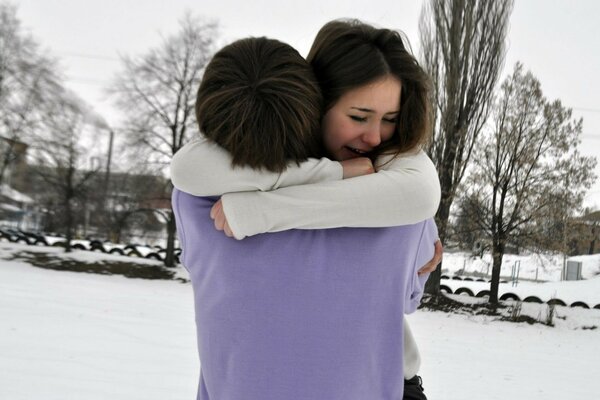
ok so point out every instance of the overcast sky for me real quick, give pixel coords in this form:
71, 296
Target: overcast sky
557, 40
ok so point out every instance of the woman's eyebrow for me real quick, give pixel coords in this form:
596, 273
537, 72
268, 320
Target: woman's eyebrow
368, 110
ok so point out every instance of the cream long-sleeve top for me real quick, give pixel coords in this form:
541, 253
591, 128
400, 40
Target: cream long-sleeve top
312, 195
404, 190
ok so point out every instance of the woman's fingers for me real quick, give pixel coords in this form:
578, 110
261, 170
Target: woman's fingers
217, 214
358, 166
435, 261
214, 209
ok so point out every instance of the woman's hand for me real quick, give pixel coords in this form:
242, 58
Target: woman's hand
217, 214
435, 261
357, 167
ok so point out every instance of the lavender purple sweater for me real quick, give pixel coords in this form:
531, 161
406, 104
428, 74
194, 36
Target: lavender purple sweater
301, 314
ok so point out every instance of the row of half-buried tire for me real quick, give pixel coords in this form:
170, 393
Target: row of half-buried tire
514, 297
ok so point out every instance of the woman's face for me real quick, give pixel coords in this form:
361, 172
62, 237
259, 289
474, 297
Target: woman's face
362, 118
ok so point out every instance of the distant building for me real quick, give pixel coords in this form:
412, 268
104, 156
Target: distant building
13, 161
14, 204
126, 203
586, 233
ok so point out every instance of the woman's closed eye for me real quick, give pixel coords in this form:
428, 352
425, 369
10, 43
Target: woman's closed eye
358, 119
364, 119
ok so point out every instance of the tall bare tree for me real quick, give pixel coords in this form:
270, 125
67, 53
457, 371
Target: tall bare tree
62, 149
526, 167
28, 78
463, 48
157, 91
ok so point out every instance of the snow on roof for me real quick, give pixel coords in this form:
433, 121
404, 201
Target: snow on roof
9, 207
13, 194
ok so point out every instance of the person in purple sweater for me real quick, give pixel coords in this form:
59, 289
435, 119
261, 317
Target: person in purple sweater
300, 314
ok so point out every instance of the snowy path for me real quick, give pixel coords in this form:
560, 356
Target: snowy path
66, 335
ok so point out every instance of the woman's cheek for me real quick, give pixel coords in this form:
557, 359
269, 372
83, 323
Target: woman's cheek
343, 134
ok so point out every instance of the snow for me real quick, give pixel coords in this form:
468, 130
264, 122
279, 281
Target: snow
9, 207
15, 195
480, 359
547, 267
87, 336
569, 292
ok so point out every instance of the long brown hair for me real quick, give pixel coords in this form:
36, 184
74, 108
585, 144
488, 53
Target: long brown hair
260, 101
347, 54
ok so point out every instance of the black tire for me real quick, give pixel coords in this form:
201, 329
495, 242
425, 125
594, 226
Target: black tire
464, 290
483, 293
556, 302
510, 296
117, 251
532, 299
445, 289
580, 304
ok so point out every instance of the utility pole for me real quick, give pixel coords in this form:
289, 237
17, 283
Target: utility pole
108, 160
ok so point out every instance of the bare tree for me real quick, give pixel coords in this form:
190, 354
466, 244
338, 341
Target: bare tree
27, 79
526, 167
129, 194
62, 150
157, 90
463, 48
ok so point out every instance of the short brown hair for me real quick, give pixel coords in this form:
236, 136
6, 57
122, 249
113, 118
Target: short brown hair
260, 101
347, 54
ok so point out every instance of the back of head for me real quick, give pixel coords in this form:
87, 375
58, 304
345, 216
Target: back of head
347, 54
260, 101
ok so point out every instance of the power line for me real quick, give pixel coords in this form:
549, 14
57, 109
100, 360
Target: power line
90, 56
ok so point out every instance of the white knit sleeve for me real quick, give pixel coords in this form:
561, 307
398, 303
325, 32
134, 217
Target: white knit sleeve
405, 190
203, 168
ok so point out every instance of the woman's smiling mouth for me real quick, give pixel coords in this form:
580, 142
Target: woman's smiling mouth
356, 151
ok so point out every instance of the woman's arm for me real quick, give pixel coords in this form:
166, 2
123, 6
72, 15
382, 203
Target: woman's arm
203, 168
404, 191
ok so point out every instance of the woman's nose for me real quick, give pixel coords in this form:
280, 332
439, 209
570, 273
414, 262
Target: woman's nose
372, 136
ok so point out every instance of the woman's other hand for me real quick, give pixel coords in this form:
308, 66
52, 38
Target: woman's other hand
435, 261
358, 166
217, 214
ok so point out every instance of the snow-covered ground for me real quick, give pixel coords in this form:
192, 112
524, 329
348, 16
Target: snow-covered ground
546, 267
70, 335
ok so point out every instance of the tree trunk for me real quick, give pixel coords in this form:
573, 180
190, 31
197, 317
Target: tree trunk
441, 219
497, 255
69, 217
171, 227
